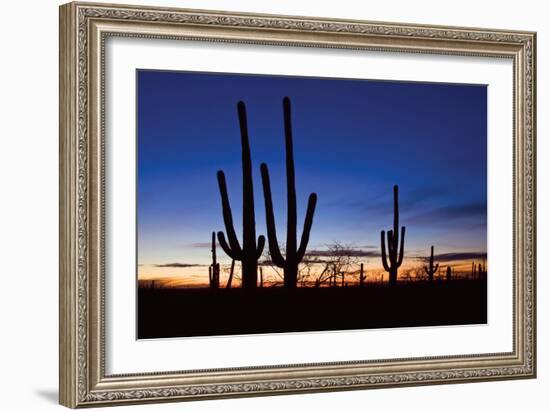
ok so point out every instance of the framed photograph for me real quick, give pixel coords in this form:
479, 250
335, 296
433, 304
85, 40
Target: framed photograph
259, 204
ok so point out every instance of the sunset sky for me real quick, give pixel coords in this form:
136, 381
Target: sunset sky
353, 140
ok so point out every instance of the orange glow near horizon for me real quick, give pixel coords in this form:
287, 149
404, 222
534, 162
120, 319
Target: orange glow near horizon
197, 276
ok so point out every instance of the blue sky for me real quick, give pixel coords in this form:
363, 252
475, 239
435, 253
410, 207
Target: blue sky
353, 140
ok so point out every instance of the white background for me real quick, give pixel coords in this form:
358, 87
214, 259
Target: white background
28, 217
125, 355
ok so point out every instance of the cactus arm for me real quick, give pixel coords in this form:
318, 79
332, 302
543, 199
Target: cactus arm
427, 270
395, 211
227, 214
401, 247
436, 267
274, 251
226, 248
261, 244
383, 247
308, 222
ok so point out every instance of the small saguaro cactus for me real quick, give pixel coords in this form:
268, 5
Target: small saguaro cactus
449, 273
294, 254
231, 272
431, 269
394, 258
249, 254
214, 269
361, 276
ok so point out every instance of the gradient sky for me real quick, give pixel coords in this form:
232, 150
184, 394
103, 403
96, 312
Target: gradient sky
353, 140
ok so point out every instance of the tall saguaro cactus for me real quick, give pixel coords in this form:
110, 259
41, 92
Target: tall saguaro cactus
449, 273
294, 254
392, 261
249, 254
431, 269
214, 269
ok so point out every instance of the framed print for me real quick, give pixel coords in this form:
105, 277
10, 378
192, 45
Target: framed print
257, 204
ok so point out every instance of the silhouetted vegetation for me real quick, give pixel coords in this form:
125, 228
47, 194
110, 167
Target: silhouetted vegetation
250, 252
327, 289
231, 273
362, 276
294, 254
394, 258
214, 269
431, 268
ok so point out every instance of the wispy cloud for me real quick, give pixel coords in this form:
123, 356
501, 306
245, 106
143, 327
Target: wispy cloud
409, 200
178, 265
450, 215
450, 257
201, 245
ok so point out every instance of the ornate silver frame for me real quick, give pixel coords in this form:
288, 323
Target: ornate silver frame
83, 30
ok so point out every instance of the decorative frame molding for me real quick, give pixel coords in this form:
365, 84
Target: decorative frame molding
83, 30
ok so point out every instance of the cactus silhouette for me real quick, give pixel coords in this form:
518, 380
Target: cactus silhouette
392, 261
449, 273
431, 269
250, 252
214, 269
231, 272
361, 276
294, 254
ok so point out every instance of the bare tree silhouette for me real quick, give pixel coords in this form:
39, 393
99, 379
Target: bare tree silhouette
395, 259
293, 254
250, 252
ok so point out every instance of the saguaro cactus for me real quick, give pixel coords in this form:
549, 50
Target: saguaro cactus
231, 272
393, 260
214, 269
431, 269
250, 252
293, 254
361, 276
449, 273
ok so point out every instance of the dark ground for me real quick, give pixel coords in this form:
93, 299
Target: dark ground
201, 311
